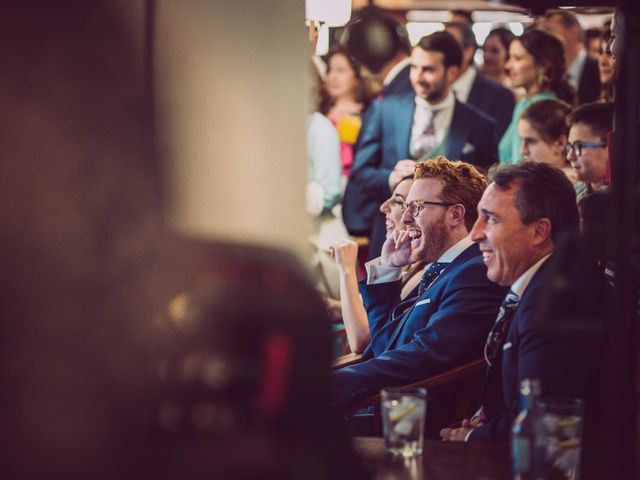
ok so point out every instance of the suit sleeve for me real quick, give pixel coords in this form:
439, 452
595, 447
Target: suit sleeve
368, 173
453, 334
379, 301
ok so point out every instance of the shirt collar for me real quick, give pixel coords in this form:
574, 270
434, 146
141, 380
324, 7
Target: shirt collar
445, 104
462, 86
575, 69
453, 252
395, 70
522, 282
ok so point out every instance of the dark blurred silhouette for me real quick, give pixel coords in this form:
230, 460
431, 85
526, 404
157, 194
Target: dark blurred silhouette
95, 384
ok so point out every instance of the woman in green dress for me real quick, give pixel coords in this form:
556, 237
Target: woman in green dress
536, 64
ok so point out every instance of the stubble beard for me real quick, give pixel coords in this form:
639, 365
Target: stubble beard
434, 244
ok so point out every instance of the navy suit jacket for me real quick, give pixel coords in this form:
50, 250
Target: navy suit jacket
445, 327
589, 86
565, 361
384, 140
493, 99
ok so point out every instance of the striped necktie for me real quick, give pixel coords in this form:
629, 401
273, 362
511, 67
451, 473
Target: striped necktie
500, 328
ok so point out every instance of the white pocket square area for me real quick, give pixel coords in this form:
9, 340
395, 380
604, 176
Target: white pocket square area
507, 346
468, 148
422, 302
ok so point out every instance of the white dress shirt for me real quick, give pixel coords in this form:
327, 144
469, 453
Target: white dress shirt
443, 112
574, 72
462, 86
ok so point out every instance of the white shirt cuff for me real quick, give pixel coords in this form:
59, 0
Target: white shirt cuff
377, 273
466, 437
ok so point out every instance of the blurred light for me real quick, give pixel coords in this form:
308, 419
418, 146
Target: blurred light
481, 31
516, 28
334, 13
322, 44
417, 30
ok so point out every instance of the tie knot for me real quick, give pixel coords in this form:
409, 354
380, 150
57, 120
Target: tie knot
511, 300
430, 275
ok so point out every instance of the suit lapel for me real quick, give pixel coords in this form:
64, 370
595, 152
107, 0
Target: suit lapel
474, 93
458, 132
405, 106
469, 252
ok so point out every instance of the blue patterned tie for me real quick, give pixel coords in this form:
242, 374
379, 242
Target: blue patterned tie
430, 275
500, 328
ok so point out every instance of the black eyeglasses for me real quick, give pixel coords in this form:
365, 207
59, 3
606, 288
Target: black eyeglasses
414, 206
577, 146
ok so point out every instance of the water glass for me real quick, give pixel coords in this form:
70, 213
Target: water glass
403, 417
562, 431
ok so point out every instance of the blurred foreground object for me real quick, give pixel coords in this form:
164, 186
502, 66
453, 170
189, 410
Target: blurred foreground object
92, 386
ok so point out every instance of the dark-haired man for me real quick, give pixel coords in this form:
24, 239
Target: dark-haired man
489, 97
407, 128
587, 145
522, 217
582, 70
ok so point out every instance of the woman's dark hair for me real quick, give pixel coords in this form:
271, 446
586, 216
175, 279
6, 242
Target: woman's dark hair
548, 118
548, 53
504, 35
362, 91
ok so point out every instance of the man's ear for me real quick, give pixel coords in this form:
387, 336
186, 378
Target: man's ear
456, 214
541, 231
452, 73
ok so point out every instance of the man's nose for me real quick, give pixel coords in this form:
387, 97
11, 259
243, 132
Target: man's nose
407, 218
477, 233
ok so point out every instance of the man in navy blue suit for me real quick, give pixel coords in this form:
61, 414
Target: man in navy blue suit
523, 215
489, 97
403, 129
445, 322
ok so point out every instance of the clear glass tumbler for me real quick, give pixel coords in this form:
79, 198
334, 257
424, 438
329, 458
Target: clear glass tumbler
561, 420
403, 417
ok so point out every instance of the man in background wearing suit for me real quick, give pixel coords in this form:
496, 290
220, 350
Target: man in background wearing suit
445, 324
357, 210
403, 129
523, 215
582, 70
471, 87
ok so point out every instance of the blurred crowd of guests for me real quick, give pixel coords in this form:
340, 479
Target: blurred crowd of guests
545, 96
471, 185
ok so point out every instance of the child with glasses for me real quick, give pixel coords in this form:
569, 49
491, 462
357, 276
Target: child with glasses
586, 148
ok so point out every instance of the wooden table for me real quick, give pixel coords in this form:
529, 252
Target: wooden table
453, 460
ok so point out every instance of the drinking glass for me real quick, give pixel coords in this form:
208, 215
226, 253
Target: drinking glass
561, 420
403, 417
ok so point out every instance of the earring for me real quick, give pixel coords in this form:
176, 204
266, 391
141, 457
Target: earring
541, 77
